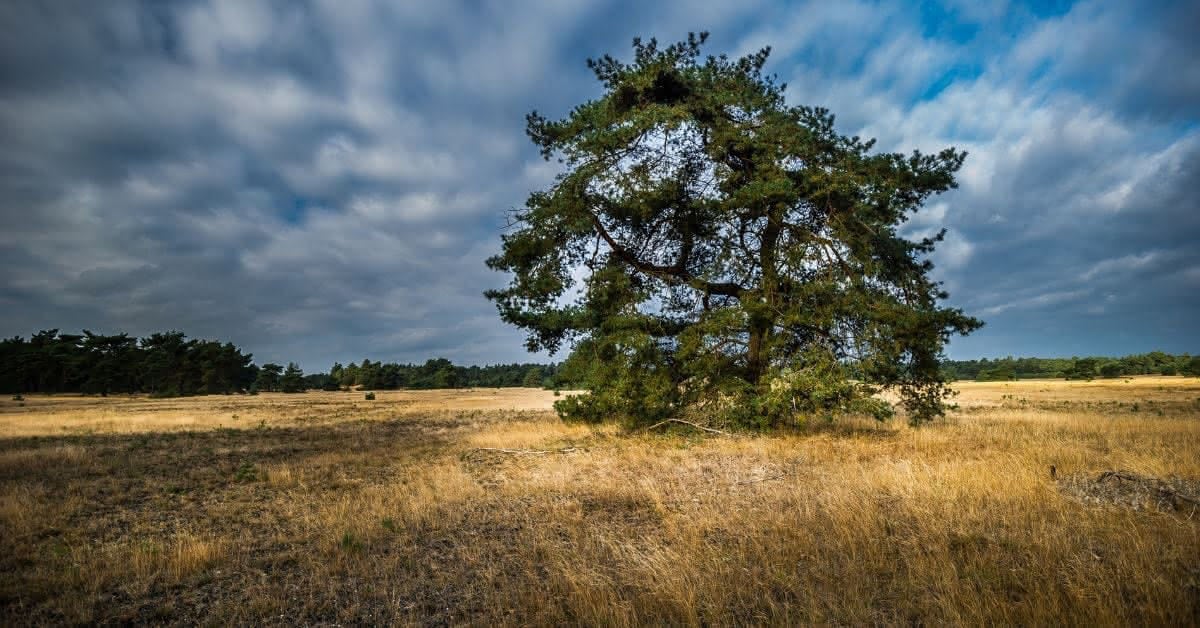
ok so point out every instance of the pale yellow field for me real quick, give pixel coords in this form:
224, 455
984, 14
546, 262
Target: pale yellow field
75, 414
481, 507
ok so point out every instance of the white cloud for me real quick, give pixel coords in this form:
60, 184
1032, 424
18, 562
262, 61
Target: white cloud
1037, 301
1121, 264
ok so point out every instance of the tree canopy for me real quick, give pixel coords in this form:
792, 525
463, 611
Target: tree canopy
170, 364
165, 364
709, 248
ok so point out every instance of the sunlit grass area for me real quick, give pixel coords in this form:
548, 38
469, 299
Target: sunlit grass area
482, 507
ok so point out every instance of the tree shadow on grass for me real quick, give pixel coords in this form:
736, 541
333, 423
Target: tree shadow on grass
178, 452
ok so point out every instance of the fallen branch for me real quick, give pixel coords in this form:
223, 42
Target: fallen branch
1164, 489
766, 479
1122, 475
682, 422
520, 452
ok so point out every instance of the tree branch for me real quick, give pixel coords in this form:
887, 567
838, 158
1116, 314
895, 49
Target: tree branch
682, 422
674, 273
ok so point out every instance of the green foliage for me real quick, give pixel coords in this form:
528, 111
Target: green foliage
292, 380
1111, 369
325, 382
441, 373
445, 376
1086, 368
369, 396
1153, 363
351, 544
739, 256
246, 472
164, 364
533, 377
170, 365
998, 374
269, 376
1192, 368
629, 380
822, 388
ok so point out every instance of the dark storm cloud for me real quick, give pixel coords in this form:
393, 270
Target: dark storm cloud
1139, 57
322, 180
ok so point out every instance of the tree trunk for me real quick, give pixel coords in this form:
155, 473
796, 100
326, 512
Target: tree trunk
762, 313
754, 356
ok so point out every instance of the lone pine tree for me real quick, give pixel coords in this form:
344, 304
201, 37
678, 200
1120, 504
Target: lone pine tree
710, 249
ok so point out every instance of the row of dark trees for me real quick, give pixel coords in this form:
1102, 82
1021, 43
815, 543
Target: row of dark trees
166, 364
1010, 368
171, 364
274, 378
441, 373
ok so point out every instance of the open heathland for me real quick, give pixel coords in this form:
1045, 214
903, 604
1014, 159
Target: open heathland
1034, 502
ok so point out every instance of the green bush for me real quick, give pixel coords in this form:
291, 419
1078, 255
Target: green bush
1002, 374
1111, 369
1192, 368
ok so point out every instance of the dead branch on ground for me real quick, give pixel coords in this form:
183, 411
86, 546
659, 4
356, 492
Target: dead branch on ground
766, 479
1164, 489
682, 422
519, 452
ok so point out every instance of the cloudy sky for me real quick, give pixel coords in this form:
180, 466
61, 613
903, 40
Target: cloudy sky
322, 180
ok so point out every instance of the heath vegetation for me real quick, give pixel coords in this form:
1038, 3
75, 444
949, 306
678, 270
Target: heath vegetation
481, 506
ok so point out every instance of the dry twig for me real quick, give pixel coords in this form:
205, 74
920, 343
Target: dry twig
520, 452
766, 479
682, 422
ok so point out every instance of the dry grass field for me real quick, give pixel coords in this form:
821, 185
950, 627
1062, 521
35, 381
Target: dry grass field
480, 507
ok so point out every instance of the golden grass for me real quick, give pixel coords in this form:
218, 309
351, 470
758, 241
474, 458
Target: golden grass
79, 415
483, 508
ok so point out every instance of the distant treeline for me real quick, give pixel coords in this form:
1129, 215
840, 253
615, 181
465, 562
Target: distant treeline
171, 364
165, 364
441, 373
1153, 363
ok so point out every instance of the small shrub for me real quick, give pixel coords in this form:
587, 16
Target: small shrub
369, 396
246, 473
18, 397
1111, 370
389, 524
351, 544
